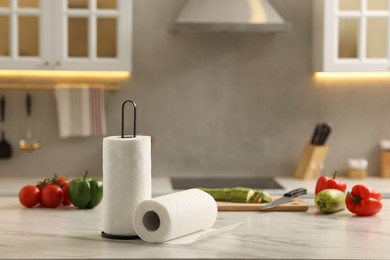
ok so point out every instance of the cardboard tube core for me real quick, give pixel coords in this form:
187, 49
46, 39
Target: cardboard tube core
151, 221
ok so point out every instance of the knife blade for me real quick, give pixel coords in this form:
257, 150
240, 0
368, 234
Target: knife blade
287, 197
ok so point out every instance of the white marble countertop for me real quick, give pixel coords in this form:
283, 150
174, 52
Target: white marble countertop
72, 233
10, 186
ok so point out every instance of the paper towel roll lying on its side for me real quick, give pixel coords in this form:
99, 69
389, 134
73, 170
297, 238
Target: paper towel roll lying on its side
126, 182
174, 215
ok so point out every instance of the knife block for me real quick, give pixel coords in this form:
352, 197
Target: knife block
385, 163
311, 162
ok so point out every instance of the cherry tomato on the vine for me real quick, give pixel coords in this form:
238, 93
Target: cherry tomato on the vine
66, 201
63, 180
52, 196
29, 196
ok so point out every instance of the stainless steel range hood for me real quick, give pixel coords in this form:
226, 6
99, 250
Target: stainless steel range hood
229, 16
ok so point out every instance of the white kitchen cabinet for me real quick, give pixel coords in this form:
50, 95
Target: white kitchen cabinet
351, 35
24, 34
66, 35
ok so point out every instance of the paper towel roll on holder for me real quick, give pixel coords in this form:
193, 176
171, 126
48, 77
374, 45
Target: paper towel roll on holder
125, 237
134, 120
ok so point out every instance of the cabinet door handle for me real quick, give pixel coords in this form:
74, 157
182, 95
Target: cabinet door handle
58, 63
46, 63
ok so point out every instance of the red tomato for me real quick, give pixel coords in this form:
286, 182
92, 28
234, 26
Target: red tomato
29, 196
63, 180
52, 196
66, 201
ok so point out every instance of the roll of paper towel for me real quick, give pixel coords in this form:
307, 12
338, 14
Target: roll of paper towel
174, 215
126, 182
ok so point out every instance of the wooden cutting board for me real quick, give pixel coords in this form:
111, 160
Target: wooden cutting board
296, 205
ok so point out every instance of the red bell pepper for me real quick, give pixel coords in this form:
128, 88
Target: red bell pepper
324, 183
363, 201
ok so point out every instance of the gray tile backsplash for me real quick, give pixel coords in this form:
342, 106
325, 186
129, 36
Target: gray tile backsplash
228, 104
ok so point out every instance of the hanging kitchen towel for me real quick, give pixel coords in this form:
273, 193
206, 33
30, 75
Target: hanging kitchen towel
80, 110
97, 110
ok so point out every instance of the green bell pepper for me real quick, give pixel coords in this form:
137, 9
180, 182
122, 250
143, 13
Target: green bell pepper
85, 193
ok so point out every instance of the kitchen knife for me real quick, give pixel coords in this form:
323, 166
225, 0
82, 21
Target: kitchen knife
324, 134
314, 138
287, 197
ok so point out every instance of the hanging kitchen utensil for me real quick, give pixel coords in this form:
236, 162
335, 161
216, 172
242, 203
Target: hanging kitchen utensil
5, 147
29, 144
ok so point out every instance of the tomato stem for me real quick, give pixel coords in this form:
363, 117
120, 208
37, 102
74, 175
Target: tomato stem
85, 175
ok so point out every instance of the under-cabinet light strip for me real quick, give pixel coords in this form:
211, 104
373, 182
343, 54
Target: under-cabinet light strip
65, 73
53, 86
351, 75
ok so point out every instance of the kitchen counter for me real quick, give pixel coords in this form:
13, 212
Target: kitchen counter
10, 186
67, 232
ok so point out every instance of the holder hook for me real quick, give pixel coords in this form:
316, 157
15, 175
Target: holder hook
134, 119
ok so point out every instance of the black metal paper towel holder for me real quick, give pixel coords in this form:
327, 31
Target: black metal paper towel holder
125, 237
134, 119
